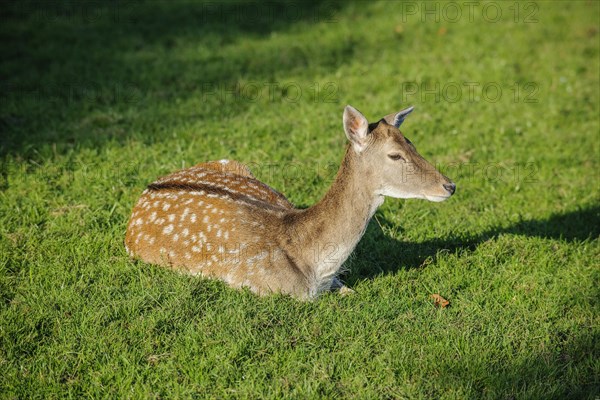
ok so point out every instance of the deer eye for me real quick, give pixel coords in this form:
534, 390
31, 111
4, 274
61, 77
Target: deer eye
396, 157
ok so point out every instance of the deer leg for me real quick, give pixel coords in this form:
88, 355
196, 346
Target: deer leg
338, 285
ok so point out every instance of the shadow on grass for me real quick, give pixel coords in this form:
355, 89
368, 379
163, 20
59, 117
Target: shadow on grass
64, 63
568, 358
389, 254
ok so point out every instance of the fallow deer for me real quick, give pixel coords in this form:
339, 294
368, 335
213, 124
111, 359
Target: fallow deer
216, 220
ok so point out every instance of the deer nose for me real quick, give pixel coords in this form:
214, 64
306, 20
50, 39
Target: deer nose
450, 187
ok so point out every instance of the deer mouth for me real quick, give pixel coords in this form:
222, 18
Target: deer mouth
449, 189
437, 199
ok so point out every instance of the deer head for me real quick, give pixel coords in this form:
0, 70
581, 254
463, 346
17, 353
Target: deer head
389, 161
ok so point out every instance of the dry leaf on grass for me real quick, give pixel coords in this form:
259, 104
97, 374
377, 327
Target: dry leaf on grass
439, 301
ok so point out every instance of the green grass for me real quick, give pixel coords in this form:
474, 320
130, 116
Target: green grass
100, 100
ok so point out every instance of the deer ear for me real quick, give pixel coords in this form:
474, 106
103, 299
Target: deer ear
356, 127
397, 119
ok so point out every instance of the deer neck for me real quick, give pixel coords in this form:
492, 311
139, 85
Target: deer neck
330, 230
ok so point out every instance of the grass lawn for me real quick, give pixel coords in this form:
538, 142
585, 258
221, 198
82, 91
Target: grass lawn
100, 99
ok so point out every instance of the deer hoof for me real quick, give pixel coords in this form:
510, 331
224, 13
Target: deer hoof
345, 291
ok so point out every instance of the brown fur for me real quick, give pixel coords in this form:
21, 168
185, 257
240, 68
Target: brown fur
216, 219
